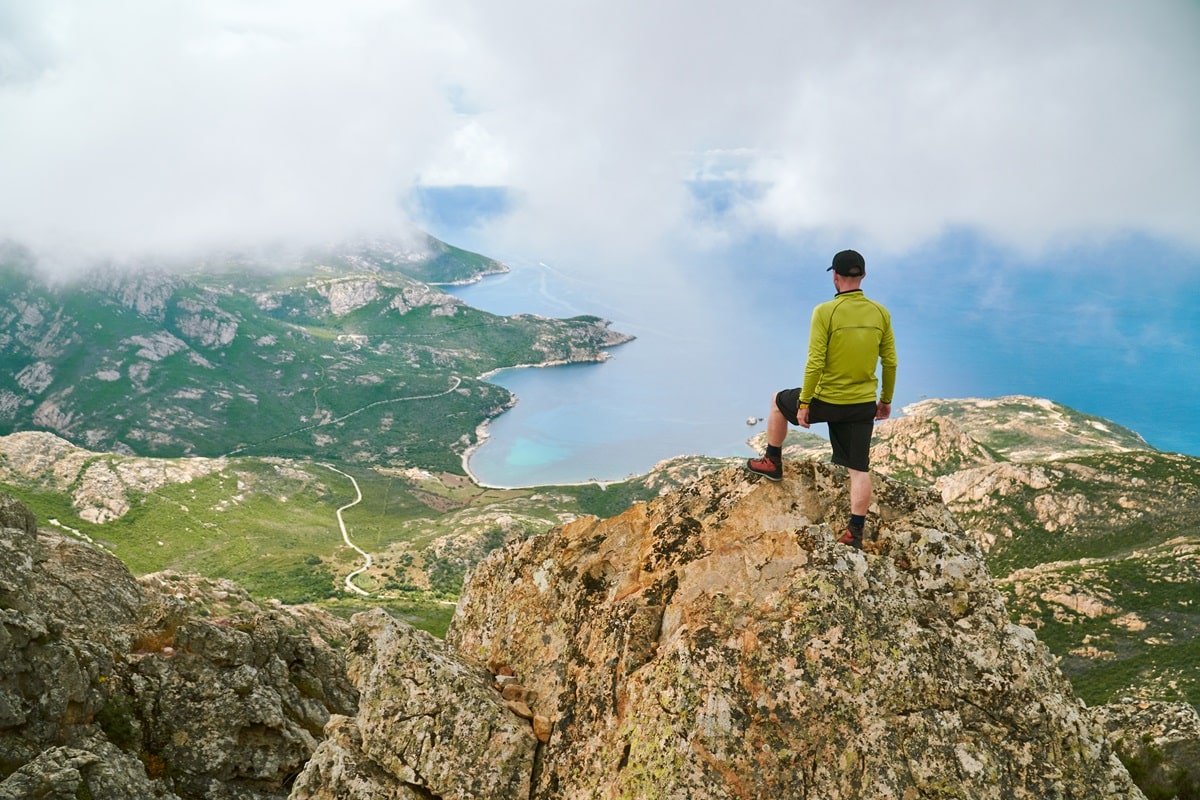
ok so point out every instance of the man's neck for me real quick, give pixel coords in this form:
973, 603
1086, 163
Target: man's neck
847, 284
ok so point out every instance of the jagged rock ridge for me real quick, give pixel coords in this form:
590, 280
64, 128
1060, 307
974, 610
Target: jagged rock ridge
717, 643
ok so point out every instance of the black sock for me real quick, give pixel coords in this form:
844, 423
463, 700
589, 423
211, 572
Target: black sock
857, 521
775, 453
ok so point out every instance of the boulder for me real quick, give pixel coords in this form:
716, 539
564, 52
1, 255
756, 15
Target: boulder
428, 725
1159, 742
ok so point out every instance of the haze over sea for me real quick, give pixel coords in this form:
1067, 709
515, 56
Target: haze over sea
1091, 330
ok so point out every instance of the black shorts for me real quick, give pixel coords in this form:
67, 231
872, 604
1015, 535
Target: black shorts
850, 426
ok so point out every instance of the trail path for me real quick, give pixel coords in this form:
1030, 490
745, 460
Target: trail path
350, 587
457, 382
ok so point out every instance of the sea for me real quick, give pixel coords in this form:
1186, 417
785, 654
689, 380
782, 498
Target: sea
717, 336
673, 390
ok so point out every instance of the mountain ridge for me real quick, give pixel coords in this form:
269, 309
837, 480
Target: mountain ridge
1127, 613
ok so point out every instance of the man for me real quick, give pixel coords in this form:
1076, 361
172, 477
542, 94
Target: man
849, 336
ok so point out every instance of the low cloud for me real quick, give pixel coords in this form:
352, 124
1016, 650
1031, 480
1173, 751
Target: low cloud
149, 127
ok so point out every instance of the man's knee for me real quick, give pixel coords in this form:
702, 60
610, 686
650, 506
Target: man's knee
783, 405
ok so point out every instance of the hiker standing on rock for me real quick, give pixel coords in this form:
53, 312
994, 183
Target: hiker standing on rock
849, 336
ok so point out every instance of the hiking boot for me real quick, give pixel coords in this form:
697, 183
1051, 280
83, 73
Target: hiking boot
769, 468
852, 536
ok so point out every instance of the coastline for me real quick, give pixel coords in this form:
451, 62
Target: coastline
503, 270
481, 437
482, 430
603, 356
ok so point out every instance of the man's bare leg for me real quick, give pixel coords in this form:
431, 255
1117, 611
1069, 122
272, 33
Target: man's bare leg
771, 464
777, 426
860, 492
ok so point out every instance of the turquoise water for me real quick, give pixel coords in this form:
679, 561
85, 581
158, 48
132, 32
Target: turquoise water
715, 343
659, 396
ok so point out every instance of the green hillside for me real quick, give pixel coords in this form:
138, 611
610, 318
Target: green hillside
270, 524
344, 356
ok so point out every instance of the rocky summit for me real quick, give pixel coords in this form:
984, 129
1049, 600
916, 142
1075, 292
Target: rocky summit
718, 643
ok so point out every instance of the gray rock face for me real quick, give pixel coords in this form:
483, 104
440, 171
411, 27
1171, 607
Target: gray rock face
169, 687
429, 725
718, 643
96, 767
99, 487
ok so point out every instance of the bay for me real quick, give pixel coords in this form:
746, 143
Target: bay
609, 420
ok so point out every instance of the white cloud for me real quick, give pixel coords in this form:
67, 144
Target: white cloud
145, 125
472, 157
165, 126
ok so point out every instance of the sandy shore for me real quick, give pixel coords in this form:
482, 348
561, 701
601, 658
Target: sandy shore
602, 357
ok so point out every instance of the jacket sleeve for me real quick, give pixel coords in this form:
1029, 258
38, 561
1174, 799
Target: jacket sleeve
887, 359
818, 347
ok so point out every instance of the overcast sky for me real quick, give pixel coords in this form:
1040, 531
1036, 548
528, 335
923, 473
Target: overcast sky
139, 125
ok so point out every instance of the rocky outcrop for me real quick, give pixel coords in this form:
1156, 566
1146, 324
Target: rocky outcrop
1021, 428
1102, 495
145, 291
919, 448
348, 294
100, 485
169, 687
206, 323
1159, 743
429, 725
718, 643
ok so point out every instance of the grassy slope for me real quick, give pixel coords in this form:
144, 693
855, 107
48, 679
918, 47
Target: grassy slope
1143, 637
1103, 518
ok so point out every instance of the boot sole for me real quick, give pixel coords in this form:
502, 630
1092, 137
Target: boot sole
774, 478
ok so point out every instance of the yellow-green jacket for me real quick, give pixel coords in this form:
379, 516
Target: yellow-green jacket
849, 336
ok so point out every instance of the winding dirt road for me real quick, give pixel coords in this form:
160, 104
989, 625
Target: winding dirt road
350, 587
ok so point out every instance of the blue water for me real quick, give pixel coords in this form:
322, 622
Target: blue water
717, 339
662, 395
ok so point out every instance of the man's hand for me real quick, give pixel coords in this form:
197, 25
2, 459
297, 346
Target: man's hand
802, 417
882, 411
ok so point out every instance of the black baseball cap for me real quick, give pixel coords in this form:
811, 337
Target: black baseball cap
848, 264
